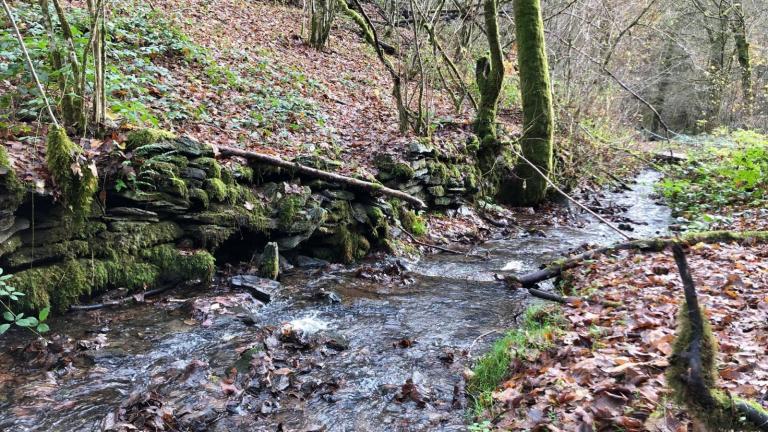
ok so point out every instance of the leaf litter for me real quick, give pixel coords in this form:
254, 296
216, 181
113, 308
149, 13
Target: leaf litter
606, 370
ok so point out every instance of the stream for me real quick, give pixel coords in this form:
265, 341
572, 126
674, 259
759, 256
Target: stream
380, 346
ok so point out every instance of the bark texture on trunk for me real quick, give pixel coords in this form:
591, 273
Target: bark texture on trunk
538, 115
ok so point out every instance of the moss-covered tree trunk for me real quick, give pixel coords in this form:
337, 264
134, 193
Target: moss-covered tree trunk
489, 74
493, 157
538, 115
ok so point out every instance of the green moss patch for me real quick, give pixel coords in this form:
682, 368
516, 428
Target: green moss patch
74, 177
147, 136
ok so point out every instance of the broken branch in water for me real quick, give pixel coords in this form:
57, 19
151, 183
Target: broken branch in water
138, 297
648, 245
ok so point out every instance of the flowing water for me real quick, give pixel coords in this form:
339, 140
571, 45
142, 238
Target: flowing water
397, 322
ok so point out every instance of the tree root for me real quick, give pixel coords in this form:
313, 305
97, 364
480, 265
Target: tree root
647, 245
372, 188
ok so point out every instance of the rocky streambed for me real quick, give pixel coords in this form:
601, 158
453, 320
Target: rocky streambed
379, 346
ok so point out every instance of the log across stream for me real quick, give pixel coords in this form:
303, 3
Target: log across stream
334, 350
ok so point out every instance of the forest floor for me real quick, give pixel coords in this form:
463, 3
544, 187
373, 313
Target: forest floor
599, 362
596, 367
601, 365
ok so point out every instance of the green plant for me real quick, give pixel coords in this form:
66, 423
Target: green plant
730, 171
485, 426
536, 333
9, 295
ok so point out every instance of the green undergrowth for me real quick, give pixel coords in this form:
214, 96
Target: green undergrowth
730, 170
148, 59
537, 331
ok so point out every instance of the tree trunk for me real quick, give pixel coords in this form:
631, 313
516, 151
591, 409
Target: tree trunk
322, 13
538, 115
739, 29
489, 74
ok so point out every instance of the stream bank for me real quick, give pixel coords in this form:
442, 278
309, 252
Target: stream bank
379, 346
164, 210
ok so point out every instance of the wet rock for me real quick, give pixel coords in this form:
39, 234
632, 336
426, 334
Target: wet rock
19, 224
285, 265
194, 174
192, 149
261, 288
133, 214
419, 148
269, 264
339, 194
309, 262
291, 242
329, 296
336, 342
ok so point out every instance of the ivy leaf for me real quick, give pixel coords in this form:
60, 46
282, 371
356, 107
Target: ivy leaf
43, 315
9, 316
4, 328
42, 327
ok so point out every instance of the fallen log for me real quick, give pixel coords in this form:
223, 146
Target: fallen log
692, 371
647, 245
298, 168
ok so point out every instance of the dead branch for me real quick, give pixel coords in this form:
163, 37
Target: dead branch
694, 374
139, 297
296, 167
647, 245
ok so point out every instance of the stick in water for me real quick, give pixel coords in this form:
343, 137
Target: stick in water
573, 200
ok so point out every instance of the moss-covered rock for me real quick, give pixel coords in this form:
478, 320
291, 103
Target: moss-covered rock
413, 223
211, 237
269, 263
65, 230
210, 166
242, 173
75, 178
199, 198
289, 208
30, 255
10, 245
147, 136
175, 266
133, 237
216, 189
11, 188
63, 284
378, 222
389, 168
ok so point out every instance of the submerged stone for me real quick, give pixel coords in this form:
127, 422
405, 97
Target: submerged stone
259, 287
309, 262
